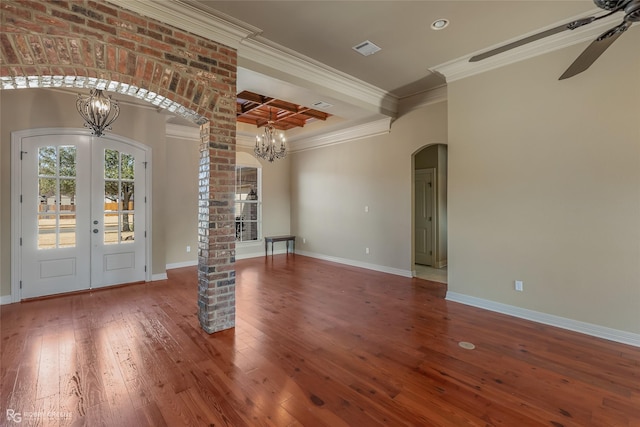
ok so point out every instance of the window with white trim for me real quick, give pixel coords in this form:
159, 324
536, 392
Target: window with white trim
248, 203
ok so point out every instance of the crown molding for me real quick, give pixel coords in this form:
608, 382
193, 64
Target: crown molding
365, 130
461, 68
262, 51
419, 100
181, 14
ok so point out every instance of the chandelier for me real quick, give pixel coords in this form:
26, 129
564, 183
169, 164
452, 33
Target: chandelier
266, 144
98, 111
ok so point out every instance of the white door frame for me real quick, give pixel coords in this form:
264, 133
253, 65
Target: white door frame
16, 193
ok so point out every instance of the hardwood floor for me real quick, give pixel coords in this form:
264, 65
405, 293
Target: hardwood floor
315, 344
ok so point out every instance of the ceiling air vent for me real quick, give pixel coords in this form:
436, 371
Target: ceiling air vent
321, 105
366, 48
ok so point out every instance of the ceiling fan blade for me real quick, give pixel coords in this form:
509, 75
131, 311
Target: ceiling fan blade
570, 26
594, 50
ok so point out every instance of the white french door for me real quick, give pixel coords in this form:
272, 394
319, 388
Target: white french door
82, 216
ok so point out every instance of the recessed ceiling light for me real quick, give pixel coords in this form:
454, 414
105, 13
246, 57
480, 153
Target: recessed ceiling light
439, 24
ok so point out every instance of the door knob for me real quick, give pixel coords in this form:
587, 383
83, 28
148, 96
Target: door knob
95, 221
95, 230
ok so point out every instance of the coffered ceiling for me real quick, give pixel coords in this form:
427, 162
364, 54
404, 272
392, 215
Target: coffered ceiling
258, 110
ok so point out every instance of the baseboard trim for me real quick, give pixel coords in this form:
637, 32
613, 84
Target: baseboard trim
353, 263
6, 299
181, 264
260, 254
161, 276
598, 331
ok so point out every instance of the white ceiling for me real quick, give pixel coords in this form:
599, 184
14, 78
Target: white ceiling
301, 51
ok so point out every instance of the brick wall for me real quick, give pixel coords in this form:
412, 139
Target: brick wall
92, 44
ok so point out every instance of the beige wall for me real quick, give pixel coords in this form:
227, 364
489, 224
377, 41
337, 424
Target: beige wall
181, 209
331, 187
39, 108
544, 186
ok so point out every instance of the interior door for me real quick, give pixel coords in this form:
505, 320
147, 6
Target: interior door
82, 225
424, 216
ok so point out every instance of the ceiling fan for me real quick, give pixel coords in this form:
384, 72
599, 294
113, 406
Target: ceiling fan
631, 10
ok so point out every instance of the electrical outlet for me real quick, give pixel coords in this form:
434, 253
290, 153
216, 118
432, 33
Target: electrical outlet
366, 251
188, 249
304, 240
519, 286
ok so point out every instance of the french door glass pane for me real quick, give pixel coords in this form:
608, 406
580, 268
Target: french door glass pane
111, 226
47, 190
67, 195
67, 234
47, 231
111, 199
126, 195
111, 164
47, 160
67, 161
127, 232
127, 166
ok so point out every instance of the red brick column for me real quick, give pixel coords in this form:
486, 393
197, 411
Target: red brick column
97, 45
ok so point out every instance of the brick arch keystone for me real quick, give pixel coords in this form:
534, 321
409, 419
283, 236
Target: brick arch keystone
93, 44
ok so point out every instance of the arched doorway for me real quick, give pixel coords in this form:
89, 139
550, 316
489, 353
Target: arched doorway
85, 47
430, 213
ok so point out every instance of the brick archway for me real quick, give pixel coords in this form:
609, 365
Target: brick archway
87, 44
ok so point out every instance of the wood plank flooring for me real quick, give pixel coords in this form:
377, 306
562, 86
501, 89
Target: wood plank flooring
315, 344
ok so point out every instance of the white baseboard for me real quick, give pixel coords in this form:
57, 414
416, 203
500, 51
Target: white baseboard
260, 253
161, 276
368, 266
441, 263
181, 264
6, 299
598, 331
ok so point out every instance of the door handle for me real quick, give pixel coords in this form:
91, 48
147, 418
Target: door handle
95, 221
95, 230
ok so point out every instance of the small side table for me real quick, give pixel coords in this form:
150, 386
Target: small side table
272, 239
